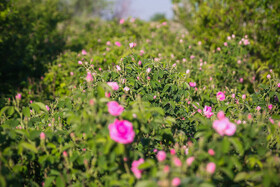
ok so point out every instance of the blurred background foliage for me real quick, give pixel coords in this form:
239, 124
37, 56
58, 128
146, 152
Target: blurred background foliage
34, 32
212, 21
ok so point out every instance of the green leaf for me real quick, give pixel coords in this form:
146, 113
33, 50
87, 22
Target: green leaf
49, 181
26, 111
29, 146
146, 184
147, 164
59, 181
237, 144
241, 176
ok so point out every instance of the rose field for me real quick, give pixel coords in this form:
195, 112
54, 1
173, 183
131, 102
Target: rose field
127, 102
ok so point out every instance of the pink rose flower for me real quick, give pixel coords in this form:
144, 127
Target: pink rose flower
278, 85
134, 168
122, 131
89, 77
258, 108
172, 151
190, 160
270, 107
208, 111
84, 52
211, 152
211, 167
176, 181
161, 155
118, 44
224, 127
18, 96
42, 136
177, 162
221, 96
47, 107
192, 84
114, 108
113, 85
122, 21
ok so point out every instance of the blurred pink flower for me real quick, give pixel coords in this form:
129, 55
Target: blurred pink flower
278, 85
268, 76
211, 152
270, 107
211, 167
243, 96
84, 52
177, 162
18, 96
190, 160
118, 44
126, 89
113, 85
148, 70
161, 155
121, 21
42, 136
172, 151
64, 154
114, 108
80, 62
166, 169
192, 57
258, 108
208, 111
176, 181
121, 131
47, 107
118, 68
139, 63
89, 77
224, 127
107, 94
134, 168
221, 96
192, 84
225, 44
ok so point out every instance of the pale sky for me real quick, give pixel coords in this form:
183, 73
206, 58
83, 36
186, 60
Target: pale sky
145, 9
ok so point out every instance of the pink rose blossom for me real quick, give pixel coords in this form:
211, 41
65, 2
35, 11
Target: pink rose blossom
258, 108
270, 107
134, 168
118, 68
18, 96
89, 77
148, 70
113, 85
107, 94
84, 52
47, 107
139, 63
221, 96
233, 96
211, 152
192, 57
42, 136
64, 154
126, 89
118, 44
268, 76
199, 111
166, 169
172, 151
121, 131
211, 167
208, 111
80, 62
161, 155
114, 108
224, 127
271, 120
188, 71
192, 84
278, 85
176, 181
177, 162
190, 160
243, 96
121, 21
225, 44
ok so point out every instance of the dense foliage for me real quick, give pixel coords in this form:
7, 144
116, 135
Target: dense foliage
212, 21
144, 104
